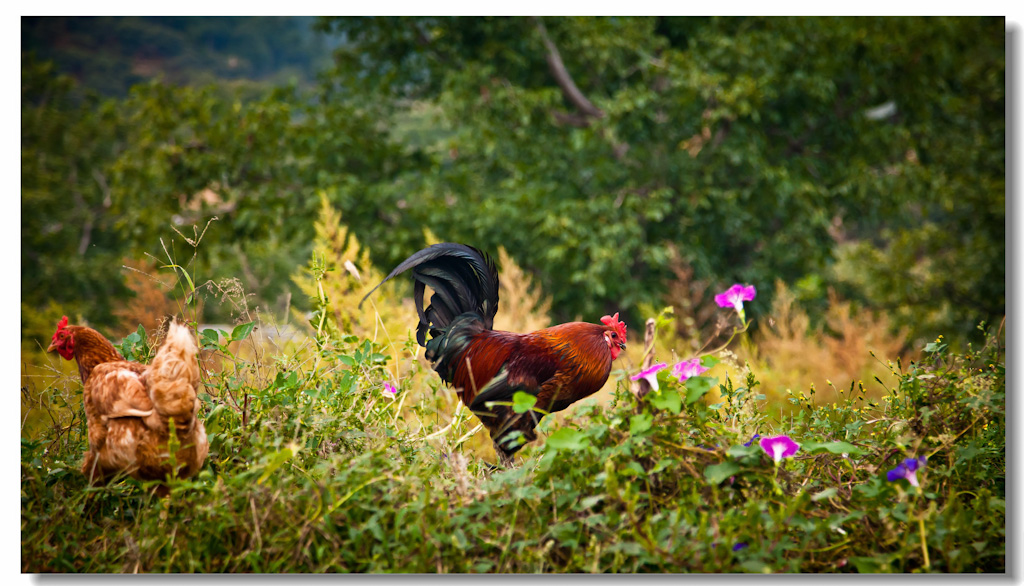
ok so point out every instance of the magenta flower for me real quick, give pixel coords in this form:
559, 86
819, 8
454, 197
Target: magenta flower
650, 375
907, 470
390, 390
688, 368
735, 296
779, 447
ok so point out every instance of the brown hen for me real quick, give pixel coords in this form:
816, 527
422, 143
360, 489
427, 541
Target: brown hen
131, 408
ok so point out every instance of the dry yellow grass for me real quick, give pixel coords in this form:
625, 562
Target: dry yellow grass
349, 278
787, 352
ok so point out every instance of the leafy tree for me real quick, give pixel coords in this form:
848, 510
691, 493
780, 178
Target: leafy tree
590, 146
861, 154
69, 253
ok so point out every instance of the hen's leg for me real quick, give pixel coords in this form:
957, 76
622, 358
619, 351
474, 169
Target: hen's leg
91, 469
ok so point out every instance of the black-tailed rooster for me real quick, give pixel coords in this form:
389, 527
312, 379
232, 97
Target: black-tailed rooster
559, 365
129, 406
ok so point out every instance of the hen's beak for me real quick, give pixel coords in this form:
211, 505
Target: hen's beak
622, 346
52, 347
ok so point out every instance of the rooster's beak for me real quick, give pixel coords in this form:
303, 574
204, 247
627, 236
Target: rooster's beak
622, 346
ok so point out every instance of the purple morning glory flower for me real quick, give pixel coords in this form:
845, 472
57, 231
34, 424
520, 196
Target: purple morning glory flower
688, 368
390, 390
756, 435
907, 469
650, 374
739, 546
779, 447
735, 296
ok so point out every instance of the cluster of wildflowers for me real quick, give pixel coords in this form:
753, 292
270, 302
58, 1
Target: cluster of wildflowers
683, 370
732, 297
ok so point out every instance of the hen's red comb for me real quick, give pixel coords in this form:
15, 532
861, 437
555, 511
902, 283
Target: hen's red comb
63, 323
613, 321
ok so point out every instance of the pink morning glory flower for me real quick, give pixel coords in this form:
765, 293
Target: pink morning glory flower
779, 447
735, 296
650, 374
390, 390
907, 470
688, 368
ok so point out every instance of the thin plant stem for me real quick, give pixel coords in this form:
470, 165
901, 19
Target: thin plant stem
924, 543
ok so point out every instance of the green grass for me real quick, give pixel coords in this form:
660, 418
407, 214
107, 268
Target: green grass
313, 469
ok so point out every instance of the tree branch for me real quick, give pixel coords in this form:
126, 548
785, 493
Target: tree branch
561, 74
83, 243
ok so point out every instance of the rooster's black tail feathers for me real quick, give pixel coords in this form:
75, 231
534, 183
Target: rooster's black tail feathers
464, 280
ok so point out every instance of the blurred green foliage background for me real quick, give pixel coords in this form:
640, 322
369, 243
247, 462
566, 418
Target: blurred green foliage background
862, 156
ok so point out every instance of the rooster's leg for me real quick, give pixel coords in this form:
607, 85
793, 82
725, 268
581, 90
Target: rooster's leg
505, 457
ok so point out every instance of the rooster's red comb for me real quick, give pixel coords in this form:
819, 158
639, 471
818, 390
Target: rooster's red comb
613, 321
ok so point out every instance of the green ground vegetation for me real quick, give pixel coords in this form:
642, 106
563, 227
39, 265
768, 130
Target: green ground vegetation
315, 467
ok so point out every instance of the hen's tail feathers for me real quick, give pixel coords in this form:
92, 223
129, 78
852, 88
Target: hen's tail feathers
464, 280
174, 374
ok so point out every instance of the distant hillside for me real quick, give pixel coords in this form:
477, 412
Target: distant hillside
110, 54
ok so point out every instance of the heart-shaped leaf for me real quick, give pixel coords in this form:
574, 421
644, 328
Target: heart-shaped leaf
242, 331
567, 439
697, 387
716, 473
640, 423
523, 402
666, 399
708, 361
834, 447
